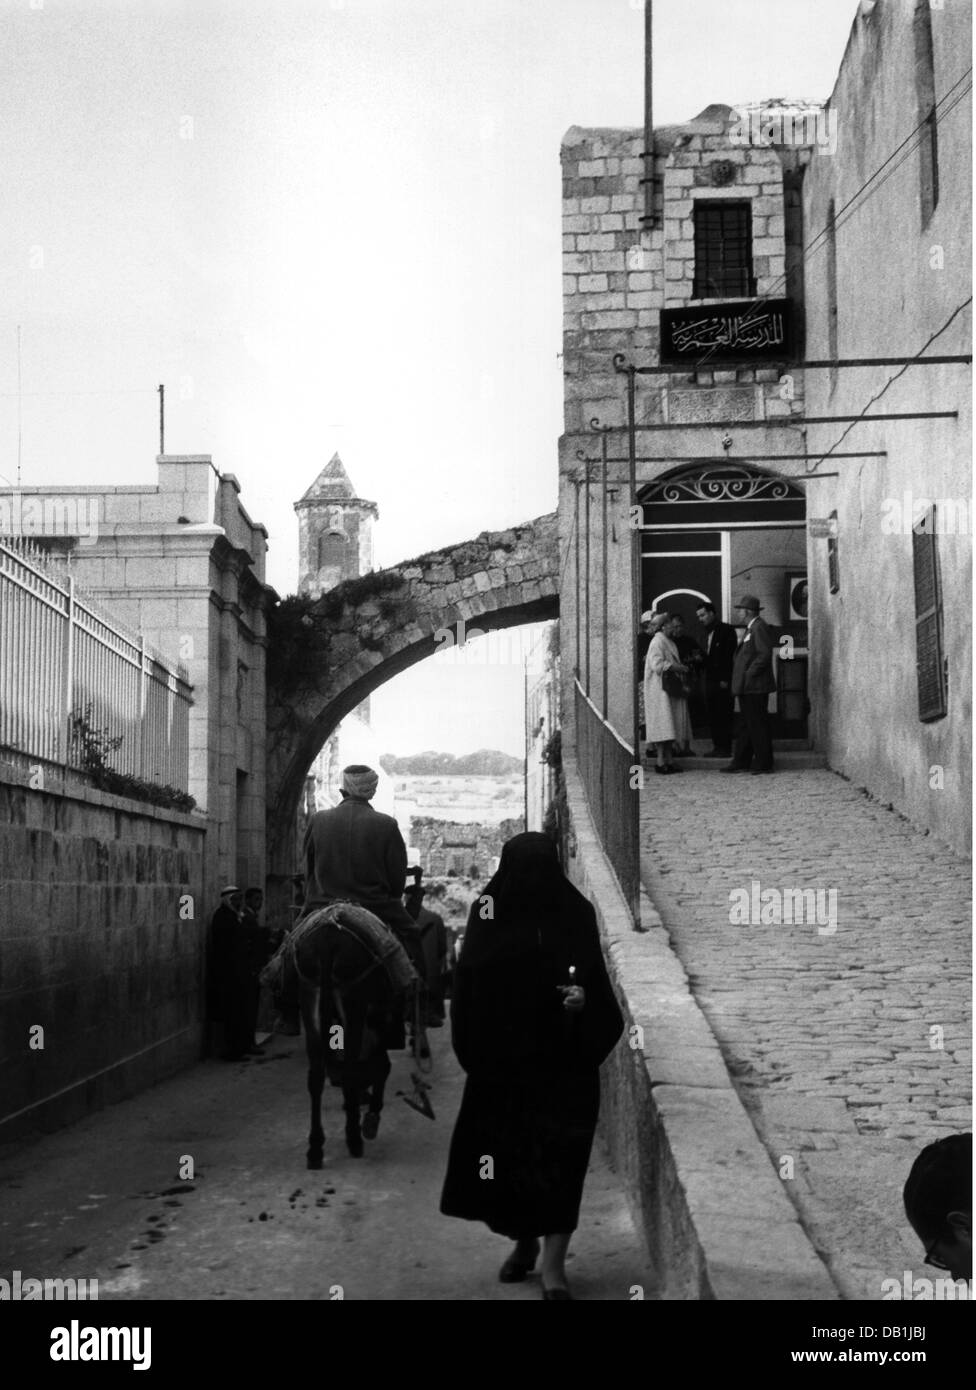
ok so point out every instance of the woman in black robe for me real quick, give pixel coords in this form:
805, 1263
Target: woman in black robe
533, 1015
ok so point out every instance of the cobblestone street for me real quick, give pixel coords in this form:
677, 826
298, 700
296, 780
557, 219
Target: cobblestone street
103, 1199
850, 1047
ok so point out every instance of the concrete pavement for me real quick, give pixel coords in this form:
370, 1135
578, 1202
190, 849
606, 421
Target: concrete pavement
104, 1198
848, 1040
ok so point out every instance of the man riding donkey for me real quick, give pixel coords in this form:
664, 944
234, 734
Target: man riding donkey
356, 854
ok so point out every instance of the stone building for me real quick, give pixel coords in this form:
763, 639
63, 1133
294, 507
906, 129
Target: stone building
759, 254
460, 848
335, 543
890, 589
335, 531
711, 297
181, 562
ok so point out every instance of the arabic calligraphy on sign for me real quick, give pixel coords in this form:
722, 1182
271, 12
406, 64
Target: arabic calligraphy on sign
721, 331
749, 333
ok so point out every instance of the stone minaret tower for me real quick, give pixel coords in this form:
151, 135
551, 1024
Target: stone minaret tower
335, 542
335, 532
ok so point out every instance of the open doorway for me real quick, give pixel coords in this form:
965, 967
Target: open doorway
714, 530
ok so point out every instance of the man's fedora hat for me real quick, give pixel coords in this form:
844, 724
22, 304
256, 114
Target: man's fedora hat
749, 601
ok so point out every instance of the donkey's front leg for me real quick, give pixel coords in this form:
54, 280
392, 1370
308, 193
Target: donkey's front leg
316, 1075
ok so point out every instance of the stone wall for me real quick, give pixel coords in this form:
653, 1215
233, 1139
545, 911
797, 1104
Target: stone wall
97, 946
902, 272
446, 846
617, 278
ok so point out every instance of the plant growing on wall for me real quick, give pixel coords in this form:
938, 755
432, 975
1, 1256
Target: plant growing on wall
90, 747
89, 751
300, 629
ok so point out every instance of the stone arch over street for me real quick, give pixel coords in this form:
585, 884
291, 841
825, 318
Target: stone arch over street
329, 655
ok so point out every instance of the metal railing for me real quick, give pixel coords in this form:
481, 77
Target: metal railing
60, 656
605, 764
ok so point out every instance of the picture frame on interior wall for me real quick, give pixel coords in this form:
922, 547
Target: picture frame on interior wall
797, 599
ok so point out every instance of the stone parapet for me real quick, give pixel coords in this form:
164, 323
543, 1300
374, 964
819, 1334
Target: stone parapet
104, 907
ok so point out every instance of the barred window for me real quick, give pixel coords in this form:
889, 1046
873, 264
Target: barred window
929, 661
928, 150
723, 250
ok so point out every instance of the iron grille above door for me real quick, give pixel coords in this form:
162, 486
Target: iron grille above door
723, 249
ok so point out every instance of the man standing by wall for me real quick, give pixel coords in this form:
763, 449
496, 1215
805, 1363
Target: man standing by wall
433, 941
720, 644
232, 984
752, 682
258, 947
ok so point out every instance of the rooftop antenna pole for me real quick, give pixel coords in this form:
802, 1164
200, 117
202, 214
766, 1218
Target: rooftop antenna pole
647, 221
162, 416
19, 409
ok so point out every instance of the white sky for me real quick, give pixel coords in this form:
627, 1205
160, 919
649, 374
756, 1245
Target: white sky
331, 225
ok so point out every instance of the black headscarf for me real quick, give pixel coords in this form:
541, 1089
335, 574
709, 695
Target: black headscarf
524, 931
528, 895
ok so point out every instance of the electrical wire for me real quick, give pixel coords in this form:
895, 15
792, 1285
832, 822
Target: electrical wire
820, 239
890, 382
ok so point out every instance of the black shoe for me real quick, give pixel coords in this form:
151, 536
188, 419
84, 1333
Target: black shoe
559, 1294
354, 1143
672, 768
762, 771
371, 1124
660, 770
254, 1051
515, 1270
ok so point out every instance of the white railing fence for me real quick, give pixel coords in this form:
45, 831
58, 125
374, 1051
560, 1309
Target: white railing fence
61, 658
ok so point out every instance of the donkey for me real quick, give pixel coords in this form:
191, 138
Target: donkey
353, 976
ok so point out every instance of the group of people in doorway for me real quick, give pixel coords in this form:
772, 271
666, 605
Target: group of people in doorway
674, 665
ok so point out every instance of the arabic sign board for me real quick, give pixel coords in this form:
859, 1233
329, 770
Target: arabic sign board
821, 528
751, 330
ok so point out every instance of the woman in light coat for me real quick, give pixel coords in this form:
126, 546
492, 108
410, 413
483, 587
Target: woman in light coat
666, 716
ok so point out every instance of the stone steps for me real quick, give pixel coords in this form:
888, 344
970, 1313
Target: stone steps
789, 754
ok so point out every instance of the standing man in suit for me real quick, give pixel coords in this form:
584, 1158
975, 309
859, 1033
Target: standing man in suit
752, 682
721, 641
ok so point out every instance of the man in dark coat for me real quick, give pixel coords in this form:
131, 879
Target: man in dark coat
258, 947
433, 942
230, 975
720, 645
356, 854
753, 683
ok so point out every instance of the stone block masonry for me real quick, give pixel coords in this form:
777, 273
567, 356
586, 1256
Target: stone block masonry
103, 920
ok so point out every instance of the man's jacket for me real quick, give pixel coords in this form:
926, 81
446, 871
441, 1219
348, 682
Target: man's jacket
720, 655
356, 854
752, 673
